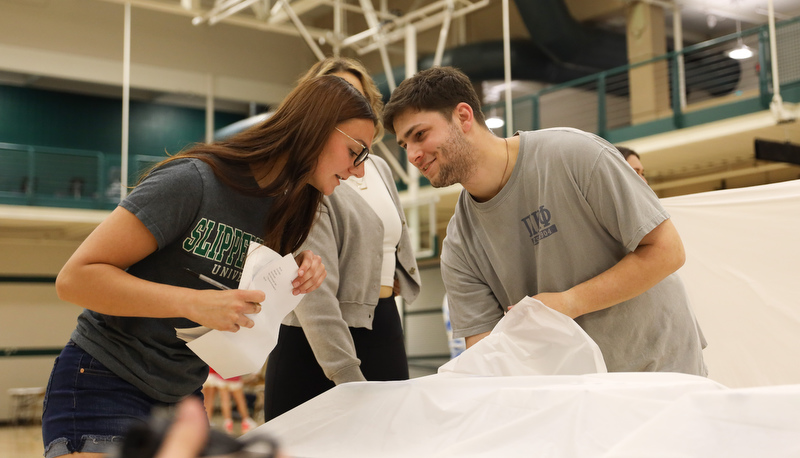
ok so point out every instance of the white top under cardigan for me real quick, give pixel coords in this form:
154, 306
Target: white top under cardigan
373, 190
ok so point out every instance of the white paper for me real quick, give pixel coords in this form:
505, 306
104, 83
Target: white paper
532, 339
243, 352
189, 334
258, 257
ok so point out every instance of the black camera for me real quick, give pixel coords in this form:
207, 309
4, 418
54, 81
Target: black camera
144, 439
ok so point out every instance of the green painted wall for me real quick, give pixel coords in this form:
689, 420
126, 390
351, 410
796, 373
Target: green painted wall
48, 118
57, 121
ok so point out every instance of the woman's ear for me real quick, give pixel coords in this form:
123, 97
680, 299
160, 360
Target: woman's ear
464, 116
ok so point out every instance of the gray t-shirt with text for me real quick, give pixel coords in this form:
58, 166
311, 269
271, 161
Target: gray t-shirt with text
571, 210
200, 224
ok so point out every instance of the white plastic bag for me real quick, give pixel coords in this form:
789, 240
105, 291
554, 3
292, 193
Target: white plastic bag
532, 339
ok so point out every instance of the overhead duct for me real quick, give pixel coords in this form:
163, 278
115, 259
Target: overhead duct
562, 49
559, 36
484, 61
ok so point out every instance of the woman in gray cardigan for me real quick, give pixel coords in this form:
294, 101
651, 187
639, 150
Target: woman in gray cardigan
349, 328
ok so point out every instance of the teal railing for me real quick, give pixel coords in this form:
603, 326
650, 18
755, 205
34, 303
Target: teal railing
48, 176
62, 177
714, 87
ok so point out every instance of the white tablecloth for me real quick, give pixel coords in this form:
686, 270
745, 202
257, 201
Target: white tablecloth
599, 415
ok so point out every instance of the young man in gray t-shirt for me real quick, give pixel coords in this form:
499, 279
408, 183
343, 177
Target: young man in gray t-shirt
555, 214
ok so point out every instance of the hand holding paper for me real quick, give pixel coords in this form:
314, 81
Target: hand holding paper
310, 272
244, 352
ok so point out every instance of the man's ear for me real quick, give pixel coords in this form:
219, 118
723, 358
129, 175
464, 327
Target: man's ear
464, 116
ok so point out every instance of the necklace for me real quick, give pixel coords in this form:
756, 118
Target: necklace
505, 169
360, 182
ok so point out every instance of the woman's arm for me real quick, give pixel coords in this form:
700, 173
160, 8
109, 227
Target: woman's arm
320, 313
95, 278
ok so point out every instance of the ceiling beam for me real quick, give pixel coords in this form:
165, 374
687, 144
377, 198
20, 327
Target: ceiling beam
299, 7
423, 24
241, 21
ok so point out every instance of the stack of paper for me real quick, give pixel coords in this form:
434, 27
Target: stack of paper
243, 352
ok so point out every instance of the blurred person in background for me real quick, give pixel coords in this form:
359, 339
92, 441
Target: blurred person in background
632, 157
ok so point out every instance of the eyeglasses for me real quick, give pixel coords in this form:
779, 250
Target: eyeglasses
363, 155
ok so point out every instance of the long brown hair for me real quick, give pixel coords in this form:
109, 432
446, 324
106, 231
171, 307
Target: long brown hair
296, 133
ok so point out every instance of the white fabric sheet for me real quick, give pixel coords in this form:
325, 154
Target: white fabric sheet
742, 273
612, 415
738, 423
532, 339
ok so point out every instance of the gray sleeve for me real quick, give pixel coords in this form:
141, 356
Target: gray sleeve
319, 312
167, 200
622, 202
474, 309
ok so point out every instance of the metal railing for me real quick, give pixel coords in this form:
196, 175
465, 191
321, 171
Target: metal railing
47, 176
62, 177
641, 99
619, 104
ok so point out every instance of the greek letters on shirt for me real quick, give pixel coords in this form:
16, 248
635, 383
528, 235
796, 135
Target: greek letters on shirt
225, 245
539, 224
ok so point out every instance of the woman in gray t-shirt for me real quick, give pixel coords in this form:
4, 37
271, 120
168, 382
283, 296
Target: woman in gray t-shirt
197, 210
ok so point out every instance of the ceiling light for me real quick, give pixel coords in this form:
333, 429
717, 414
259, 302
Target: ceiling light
740, 52
494, 123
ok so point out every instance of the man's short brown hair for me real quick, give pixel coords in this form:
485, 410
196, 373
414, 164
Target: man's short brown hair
435, 89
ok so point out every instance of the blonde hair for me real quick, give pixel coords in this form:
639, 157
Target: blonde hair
331, 65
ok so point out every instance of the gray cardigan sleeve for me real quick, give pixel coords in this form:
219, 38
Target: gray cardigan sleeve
319, 312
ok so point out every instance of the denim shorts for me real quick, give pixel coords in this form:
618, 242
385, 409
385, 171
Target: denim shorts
88, 408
